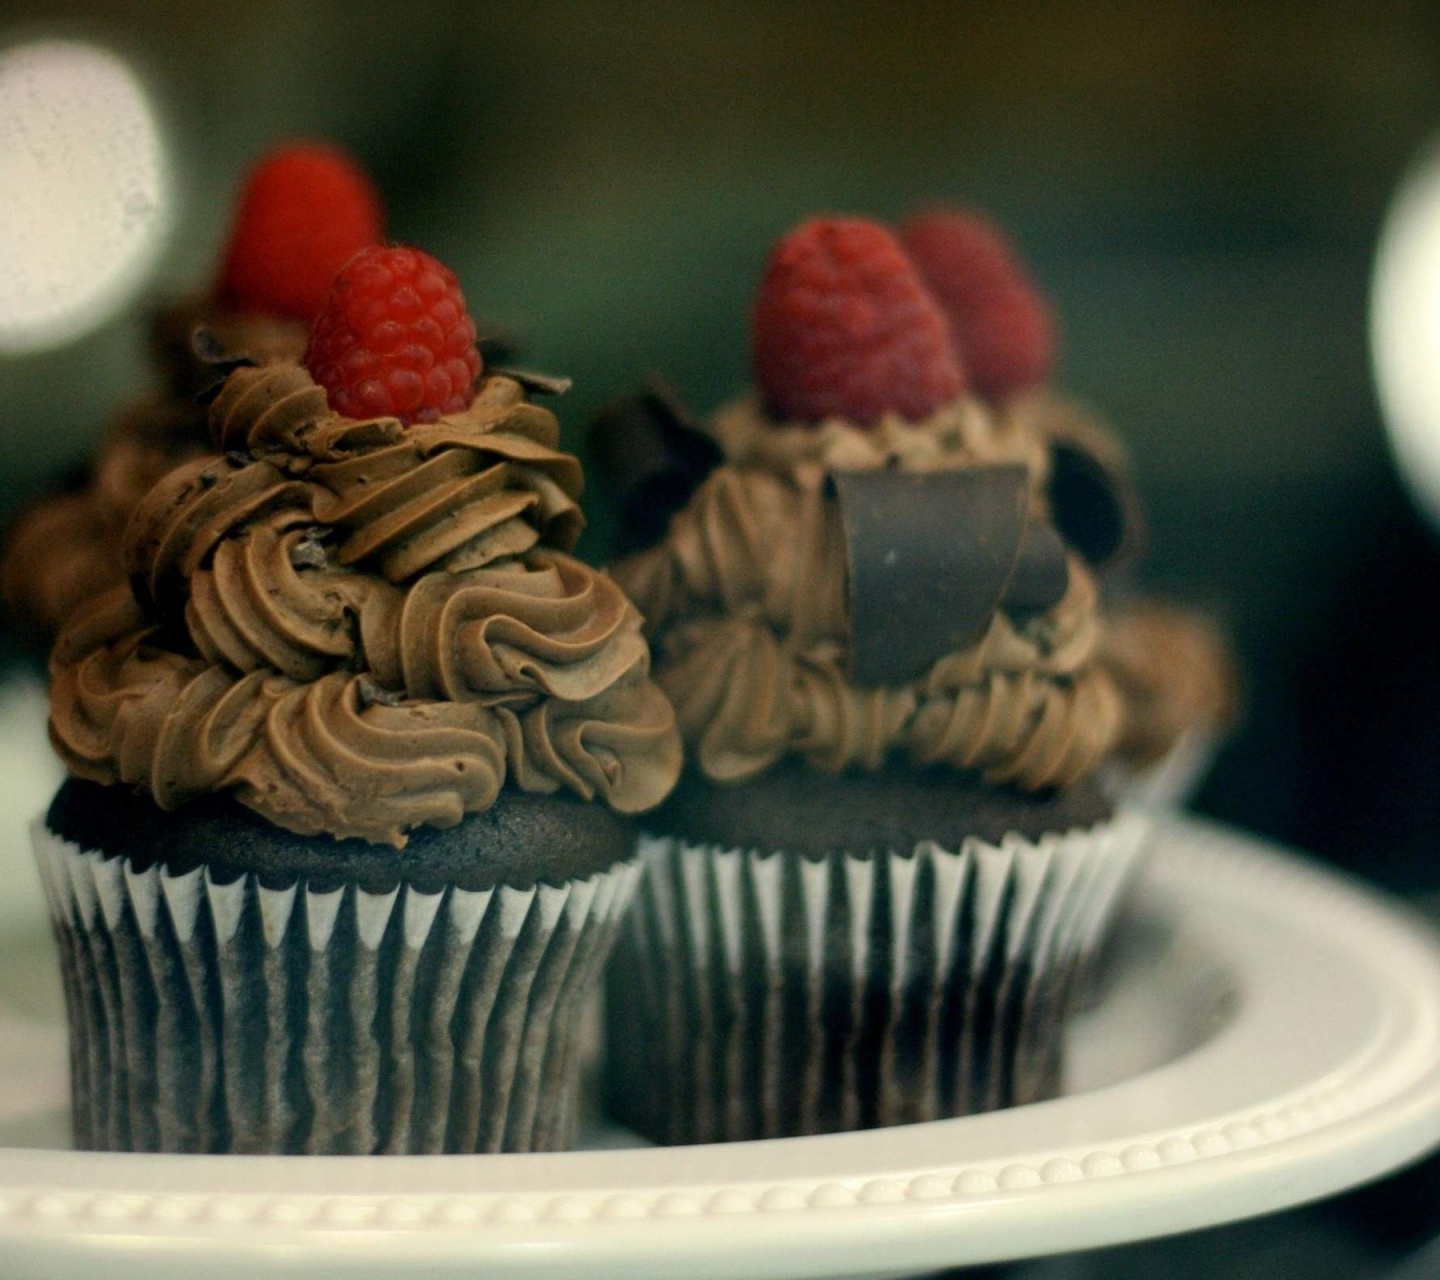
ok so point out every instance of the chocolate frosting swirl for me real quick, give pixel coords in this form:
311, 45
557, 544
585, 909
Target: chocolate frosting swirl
359, 627
745, 600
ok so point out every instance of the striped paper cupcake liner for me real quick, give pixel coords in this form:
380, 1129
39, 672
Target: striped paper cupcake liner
232, 1017
759, 996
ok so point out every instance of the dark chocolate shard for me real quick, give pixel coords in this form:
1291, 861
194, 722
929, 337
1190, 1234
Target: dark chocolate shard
372, 694
309, 551
1095, 507
221, 362
930, 556
1041, 575
648, 446
540, 384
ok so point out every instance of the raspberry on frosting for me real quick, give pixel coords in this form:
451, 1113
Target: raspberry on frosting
306, 209
1001, 324
843, 326
395, 338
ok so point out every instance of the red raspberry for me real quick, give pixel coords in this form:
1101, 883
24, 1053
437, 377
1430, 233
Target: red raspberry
394, 338
1002, 326
844, 326
305, 211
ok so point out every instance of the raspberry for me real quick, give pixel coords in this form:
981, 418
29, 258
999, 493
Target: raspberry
394, 338
844, 326
1002, 326
305, 211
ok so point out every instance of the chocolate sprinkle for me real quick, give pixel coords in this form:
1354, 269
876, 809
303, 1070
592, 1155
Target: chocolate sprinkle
930, 556
649, 447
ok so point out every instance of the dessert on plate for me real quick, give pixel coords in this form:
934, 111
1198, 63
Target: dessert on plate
353, 756
304, 210
869, 898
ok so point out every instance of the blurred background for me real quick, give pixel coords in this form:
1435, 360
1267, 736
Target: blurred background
1201, 189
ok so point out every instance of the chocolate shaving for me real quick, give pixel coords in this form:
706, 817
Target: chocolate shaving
222, 362
371, 694
1095, 506
308, 552
931, 557
541, 384
650, 449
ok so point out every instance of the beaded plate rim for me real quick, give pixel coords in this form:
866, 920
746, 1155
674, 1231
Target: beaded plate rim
1373, 1107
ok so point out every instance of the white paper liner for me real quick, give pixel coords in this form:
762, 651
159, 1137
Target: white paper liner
237, 1018
769, 996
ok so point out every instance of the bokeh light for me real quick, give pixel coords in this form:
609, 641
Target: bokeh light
84, 191
1405, 331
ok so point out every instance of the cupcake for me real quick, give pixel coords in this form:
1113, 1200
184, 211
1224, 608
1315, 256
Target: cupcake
1170, 662
353, 755
304, 210
869, 898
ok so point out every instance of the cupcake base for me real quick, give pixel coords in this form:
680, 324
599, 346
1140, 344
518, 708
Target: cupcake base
219, 1009
759, 995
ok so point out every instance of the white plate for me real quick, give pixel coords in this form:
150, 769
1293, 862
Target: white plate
1273, 1035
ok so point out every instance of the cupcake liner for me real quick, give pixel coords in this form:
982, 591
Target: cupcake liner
233, 1017
758, 996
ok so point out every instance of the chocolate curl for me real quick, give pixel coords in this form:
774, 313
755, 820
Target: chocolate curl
932, 556
1042, 572
648, 447
1094, 504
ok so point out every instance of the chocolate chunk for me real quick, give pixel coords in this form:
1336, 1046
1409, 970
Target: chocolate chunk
372, 694
930, 556
308, 552
649, 447
541, 384
1095, 506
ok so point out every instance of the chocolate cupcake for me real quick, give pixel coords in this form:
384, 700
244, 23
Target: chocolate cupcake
871, 897
346, 840
304, 210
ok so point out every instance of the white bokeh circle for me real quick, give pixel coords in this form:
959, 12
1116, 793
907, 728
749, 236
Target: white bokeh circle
1405, 330
84, 190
